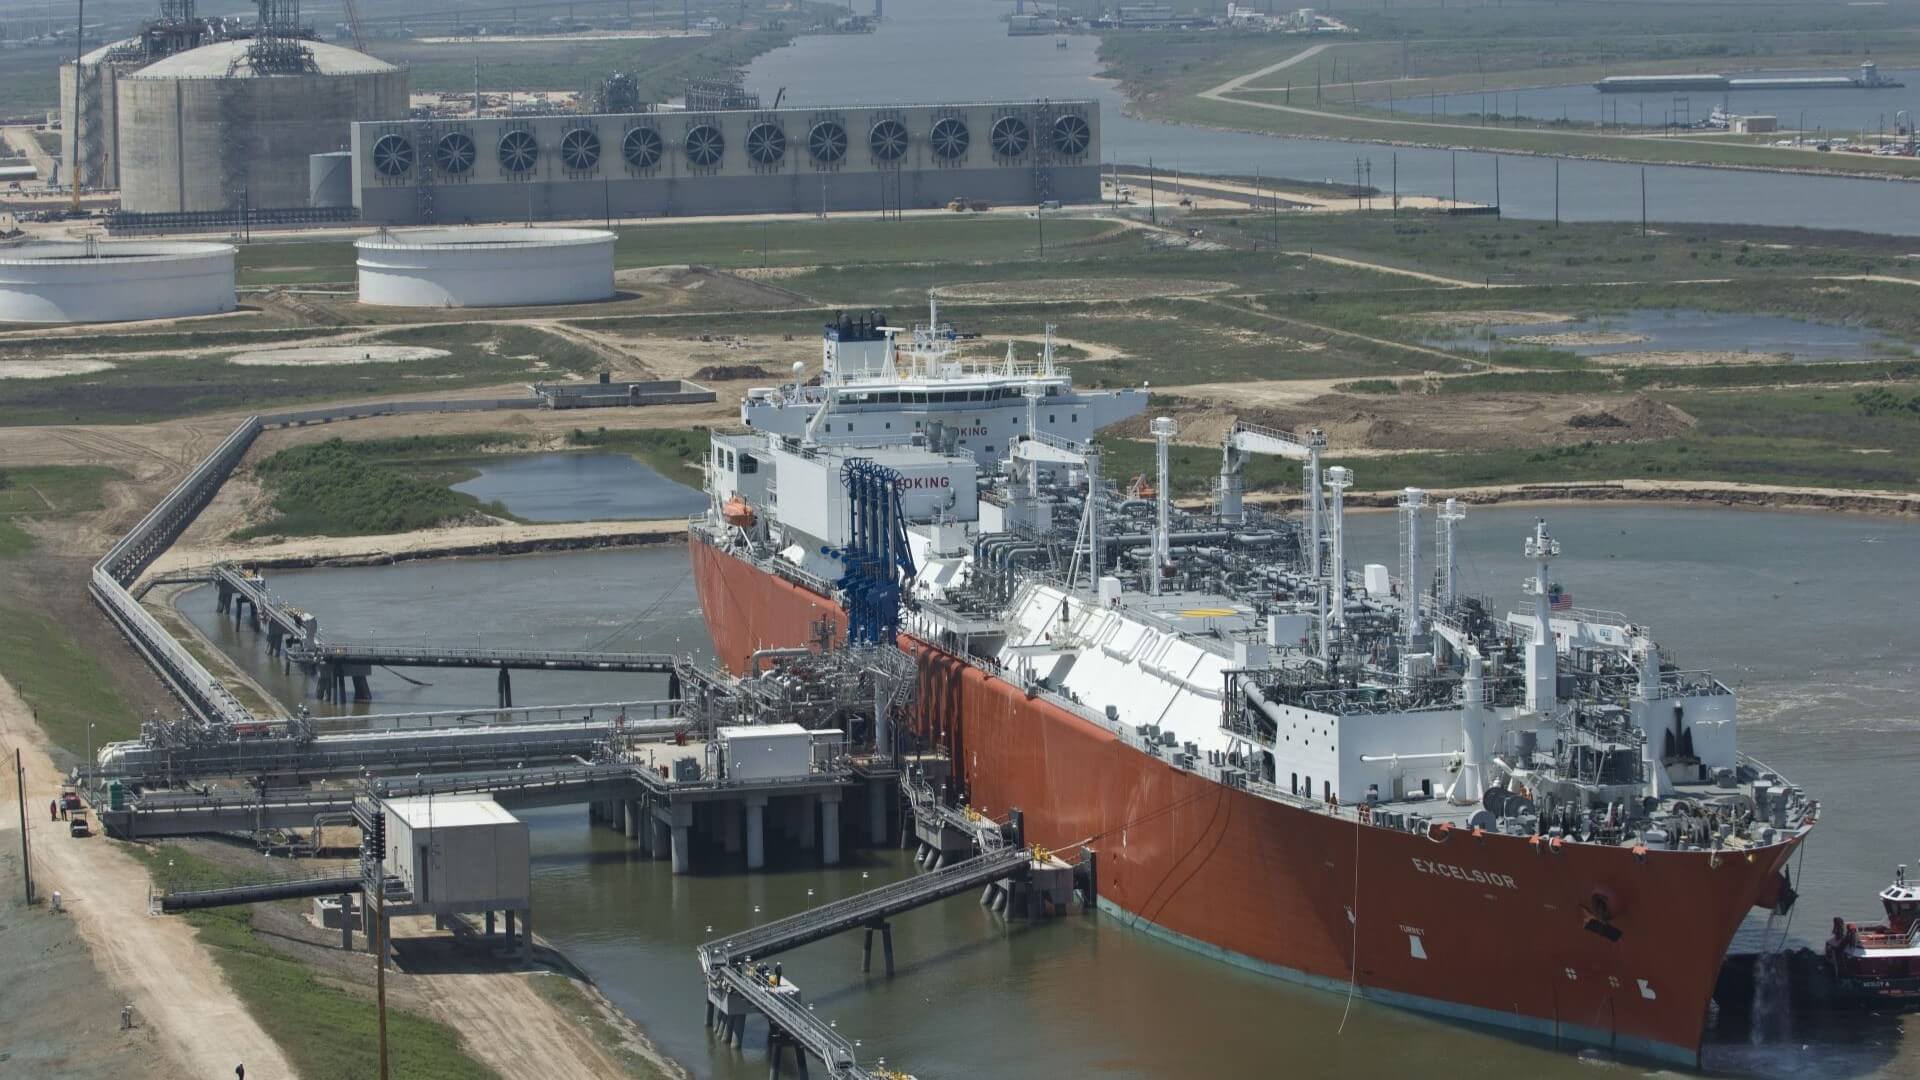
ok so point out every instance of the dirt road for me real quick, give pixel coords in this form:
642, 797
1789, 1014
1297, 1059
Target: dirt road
461, 540
175, 987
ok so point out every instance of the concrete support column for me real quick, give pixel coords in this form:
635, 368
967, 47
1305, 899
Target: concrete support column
660, 844
632, 822
877, 811
730, 826
756, 810
804, 820
680, 816
830, 829
526, 928
489, 924
509, 924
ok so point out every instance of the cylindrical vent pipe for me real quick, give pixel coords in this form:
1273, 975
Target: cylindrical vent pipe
1163, 429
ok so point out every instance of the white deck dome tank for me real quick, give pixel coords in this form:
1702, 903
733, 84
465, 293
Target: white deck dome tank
114, 280
485, 267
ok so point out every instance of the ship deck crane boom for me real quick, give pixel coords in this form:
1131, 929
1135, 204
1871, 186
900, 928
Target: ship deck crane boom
1244, 440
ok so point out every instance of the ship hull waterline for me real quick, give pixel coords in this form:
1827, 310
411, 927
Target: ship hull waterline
1490, 930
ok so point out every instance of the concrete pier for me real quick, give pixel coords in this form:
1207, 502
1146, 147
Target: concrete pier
756, 812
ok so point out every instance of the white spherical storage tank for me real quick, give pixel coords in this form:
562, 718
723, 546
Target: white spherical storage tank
114, 280
480, 267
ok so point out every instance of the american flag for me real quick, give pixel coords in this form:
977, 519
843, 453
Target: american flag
1559, 601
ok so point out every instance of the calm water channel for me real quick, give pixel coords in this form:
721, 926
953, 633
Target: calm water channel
1809, 617
933, 51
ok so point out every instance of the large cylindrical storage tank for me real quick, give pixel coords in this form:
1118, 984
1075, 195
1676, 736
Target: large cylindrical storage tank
201, 130
114, 280
481, 267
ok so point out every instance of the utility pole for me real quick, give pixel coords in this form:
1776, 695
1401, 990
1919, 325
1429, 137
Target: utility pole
1396, 183
1496, 185
1643, 200
1455, 165
1040, 226
79, 119
26, 854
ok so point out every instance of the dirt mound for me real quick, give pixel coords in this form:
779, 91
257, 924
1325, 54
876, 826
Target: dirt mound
725, 372
1586, 421
1449, 320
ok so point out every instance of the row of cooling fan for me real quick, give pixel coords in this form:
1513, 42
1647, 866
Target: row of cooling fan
827, 142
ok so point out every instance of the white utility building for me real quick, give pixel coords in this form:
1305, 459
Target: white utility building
485, 267
458, 854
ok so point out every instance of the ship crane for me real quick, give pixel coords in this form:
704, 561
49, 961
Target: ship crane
1244, 440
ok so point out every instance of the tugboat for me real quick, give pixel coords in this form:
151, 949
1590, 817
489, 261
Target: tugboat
1881, 962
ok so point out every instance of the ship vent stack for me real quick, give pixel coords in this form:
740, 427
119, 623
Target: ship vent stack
1472, 782
1163, 429
1542, 658
1450, 515
1033, 391
1411, 500
1339, 479
1316, 442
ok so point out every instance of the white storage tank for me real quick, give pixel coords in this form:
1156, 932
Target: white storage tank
114, 280
485, 267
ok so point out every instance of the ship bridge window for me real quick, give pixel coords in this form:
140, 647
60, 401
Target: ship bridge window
1053, 391
915, 398
890, 398
748, 463
976, 395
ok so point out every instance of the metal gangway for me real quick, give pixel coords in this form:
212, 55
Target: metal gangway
406, 654
737, 973
867, 909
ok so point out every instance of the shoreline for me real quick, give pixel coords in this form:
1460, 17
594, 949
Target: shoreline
440, 543
1718, 494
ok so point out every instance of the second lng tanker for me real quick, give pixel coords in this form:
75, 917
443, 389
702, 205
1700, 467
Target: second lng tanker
1360, 779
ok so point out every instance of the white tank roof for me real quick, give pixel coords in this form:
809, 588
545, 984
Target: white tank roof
216, 60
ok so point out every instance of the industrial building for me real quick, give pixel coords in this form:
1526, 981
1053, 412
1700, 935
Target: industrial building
735, 161
114, 280
215, 128
485, 267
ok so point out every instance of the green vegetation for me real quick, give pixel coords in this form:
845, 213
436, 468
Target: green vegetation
47, 490
14, 541
62, 682
669, 451
161, 387
325, 1028
1654, 377
340, 488
661, 66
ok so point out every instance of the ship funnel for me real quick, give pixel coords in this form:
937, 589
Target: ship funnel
1163, 429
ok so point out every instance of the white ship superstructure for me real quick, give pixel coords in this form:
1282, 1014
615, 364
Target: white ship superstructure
875, 387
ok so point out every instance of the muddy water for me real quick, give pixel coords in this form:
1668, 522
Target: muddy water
1683, 331
580, 487
1807, 616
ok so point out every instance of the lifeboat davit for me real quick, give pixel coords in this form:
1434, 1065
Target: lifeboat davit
737, 511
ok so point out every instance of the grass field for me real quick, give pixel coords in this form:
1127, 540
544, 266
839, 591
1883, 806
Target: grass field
371, 487
50, 490
324, 1027
160, 387
730, 245
62, 682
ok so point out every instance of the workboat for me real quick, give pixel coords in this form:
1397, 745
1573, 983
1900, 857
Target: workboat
1880, 962
1357, 778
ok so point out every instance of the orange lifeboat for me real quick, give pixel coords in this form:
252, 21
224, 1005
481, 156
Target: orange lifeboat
737, 511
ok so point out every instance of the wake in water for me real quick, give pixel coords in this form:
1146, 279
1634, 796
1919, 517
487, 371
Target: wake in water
1772, 1016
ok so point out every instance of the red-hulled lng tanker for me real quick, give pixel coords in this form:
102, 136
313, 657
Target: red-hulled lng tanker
1363, 780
